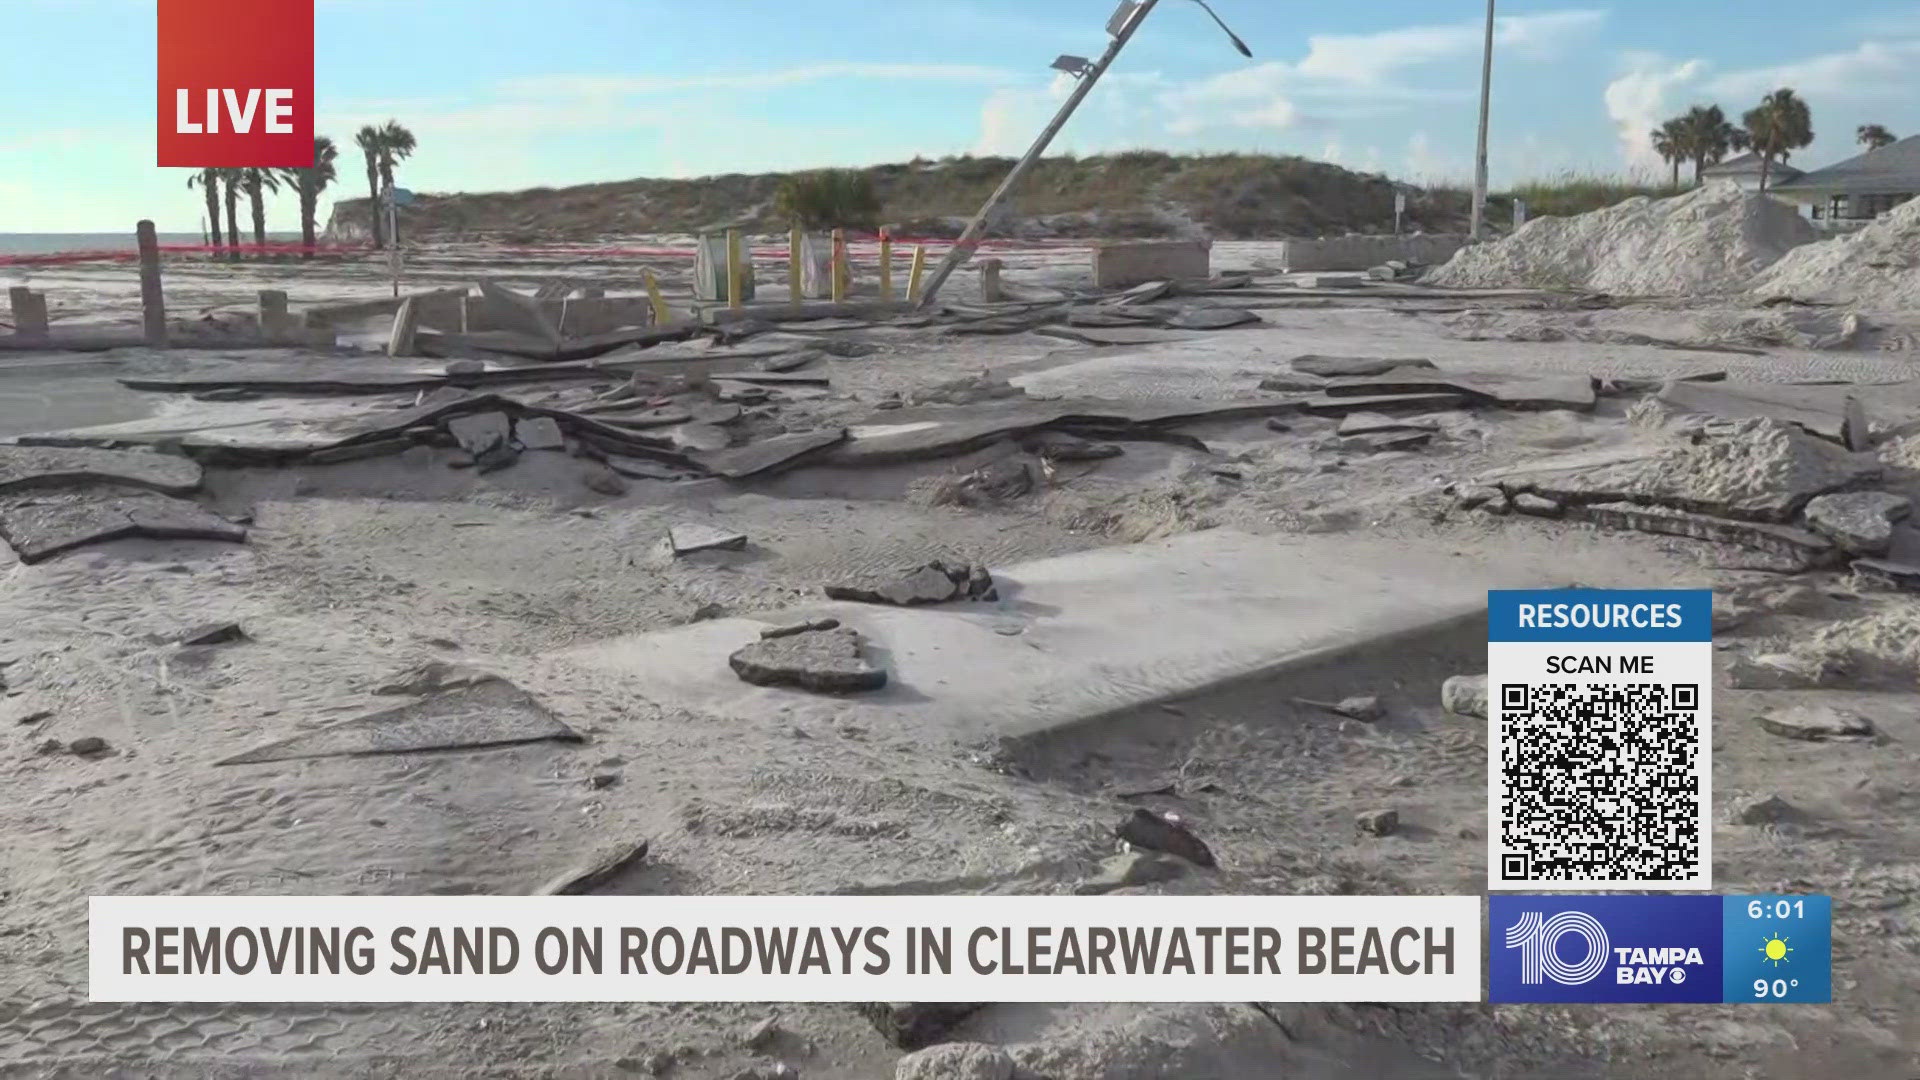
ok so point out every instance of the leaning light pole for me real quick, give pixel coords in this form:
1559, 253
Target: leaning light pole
1122, 26
1480, 151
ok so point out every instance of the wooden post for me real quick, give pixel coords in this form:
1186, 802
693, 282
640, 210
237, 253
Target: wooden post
796, 274
913, 275
153, 305
839, 266
734, 299
990, 280
274, 320
406, 325
886, 265
661, 315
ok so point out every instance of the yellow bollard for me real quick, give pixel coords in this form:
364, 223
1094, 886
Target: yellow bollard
886, 266
661, 316
733, 270
839, 266
913, 275
795, 276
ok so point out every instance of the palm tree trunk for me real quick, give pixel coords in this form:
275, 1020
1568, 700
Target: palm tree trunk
233, 221
259, 214
1766, 160
1676, 173
373, 203
308, 201
210, 186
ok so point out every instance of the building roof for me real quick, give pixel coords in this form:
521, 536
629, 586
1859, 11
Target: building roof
1748, 164
1893, 169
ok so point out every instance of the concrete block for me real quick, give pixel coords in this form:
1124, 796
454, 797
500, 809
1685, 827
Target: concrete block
1118, 266
29, 312
1357, 252
990, 280
153, 304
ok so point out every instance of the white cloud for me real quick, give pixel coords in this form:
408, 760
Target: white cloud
1874, 70
550, 86
1644, 96
1371, 58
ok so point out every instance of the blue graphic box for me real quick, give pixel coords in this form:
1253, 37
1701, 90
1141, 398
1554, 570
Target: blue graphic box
1592, 949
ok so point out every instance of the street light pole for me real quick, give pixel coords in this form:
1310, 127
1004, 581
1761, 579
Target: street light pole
962, 248
1480, 152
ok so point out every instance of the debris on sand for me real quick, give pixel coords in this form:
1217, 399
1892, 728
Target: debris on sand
433, 677
1815, 723
1781, 671
41, 524
967, 391
1772, 810
955, 1061
1366, 708
1346, 367
791, 629
596, 869
1874, 268
1734, 607
1887, 574
1710, 241
915, 1025
485, 714
934, 583
1465, 695
1160, 832
1001, 481
87, 746
824, 661
687, 538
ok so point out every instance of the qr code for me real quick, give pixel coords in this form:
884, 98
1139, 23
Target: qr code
1601, 782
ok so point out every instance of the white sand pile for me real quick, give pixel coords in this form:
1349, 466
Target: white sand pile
1711, 240
1877, 267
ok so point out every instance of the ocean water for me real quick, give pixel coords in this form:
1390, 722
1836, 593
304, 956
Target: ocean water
53, 243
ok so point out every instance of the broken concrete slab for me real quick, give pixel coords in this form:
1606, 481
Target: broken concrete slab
935, 583
597, 868
41, 525
916, 1025
704, 437
1465, 695
1382, 442
1574, 392
1815, 723
1346, 367
1131, 870
487, 714
1861, 522
26, 467
1117, 335
1212, 318
1323, 405
1819, 410
1781, 671
769, 455
480, 432
1293, 384
687, 538
1888, 574
1107, 630
1366, 423
538, 433
519, 312
219, 633
825, 661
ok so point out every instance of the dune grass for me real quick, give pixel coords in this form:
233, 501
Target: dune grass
1571, 192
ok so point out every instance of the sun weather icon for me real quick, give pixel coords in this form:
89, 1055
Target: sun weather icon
1775, 949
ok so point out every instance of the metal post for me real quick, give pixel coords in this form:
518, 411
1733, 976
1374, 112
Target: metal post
734, 300
962, 248
393, 233
1480, 153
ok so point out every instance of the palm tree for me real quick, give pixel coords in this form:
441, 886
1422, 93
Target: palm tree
1778, 126
257, 183
1666, 143
1708, 137
231, 178
1873, 136
396, 145
208, 181
308, 183
368, 140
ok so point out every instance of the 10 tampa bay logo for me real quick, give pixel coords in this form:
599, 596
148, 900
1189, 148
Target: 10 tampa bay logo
236, 83
1605, 948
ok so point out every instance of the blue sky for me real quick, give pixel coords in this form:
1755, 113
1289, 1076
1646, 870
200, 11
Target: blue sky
509, 94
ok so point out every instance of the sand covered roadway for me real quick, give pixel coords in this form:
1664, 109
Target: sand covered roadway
356, 572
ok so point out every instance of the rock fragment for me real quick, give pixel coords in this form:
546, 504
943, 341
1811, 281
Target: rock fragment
687, 538
597, 869
478, 433
1465, 695
913, 1025
1378, 822
1816, 723
1772, 810
1861, 522
763, 1034
603, 480
825, 661
1334, 367
1159, 832
435, 676
955, 1061
1780, 671
1887, 574
213, 634
1131, 870
539, 433
791, 629
87, 746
